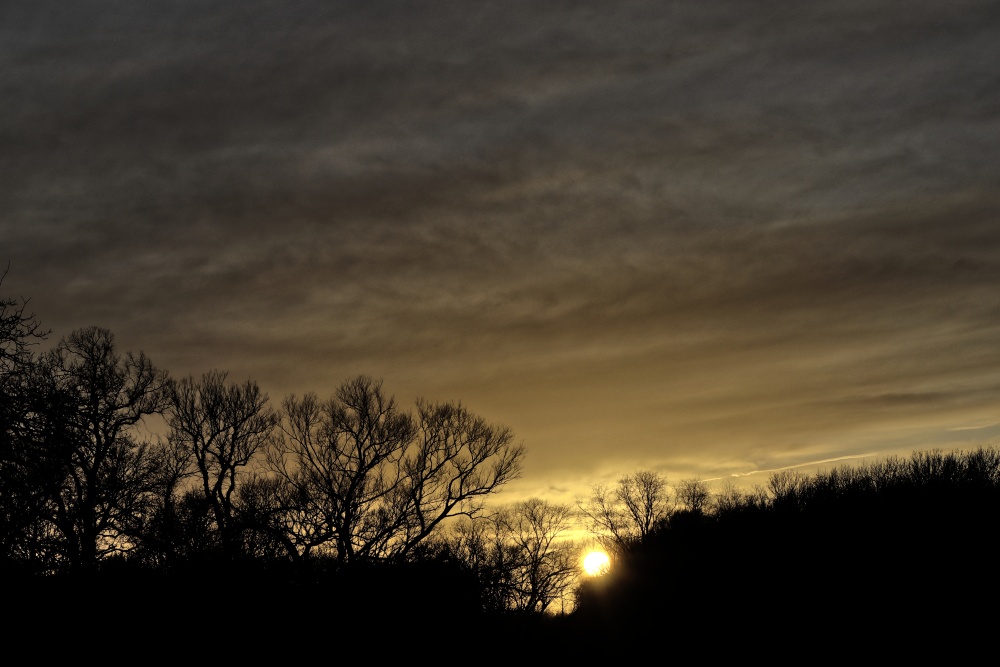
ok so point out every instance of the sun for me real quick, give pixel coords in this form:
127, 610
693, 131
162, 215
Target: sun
596, 563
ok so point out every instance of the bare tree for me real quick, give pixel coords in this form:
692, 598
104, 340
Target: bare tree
376, 481
161, 530
547, 561
519, 555
458, 461
731, 500
31, 467
693, 495
222, 426
261, 502
629, 512
19, 332
481, 546
343, 460
101, 396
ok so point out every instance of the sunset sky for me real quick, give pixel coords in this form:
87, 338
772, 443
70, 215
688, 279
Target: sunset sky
711, 238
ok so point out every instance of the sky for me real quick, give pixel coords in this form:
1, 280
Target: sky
708, 238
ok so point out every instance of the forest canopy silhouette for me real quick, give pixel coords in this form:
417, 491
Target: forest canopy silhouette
353, 508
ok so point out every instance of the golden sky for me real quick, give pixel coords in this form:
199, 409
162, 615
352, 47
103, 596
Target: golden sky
711, 238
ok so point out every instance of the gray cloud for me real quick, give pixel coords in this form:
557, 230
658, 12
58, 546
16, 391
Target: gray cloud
709, 236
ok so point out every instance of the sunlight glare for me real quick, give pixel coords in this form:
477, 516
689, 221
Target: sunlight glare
596, 563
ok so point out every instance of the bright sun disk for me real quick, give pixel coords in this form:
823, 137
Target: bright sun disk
596, 563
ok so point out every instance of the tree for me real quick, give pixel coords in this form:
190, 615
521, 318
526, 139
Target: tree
732, 501
693, 496
480, 546
547, 563
519, 555
343, 461
165, 531
33, 460
29, 472
222, 426
629, 512
19, 332
95, 399
373, 481
261, 503
459, 461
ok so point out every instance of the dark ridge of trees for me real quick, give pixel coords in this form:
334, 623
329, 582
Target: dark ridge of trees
905, 545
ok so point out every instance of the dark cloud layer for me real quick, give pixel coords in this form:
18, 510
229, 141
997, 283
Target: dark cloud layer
711, 237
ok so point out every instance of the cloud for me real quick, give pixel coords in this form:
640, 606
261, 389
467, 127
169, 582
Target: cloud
642, 234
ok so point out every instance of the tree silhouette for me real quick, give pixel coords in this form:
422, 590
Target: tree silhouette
99, 396
343, 461
373, 481
630, 511
459, 460
693, 496
222, 426
547, 563
20, 331
519, 555
480, 546
30, 469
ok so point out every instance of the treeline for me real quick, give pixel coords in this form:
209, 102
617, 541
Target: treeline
118, 480
353, 477
126, 493
898, 550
